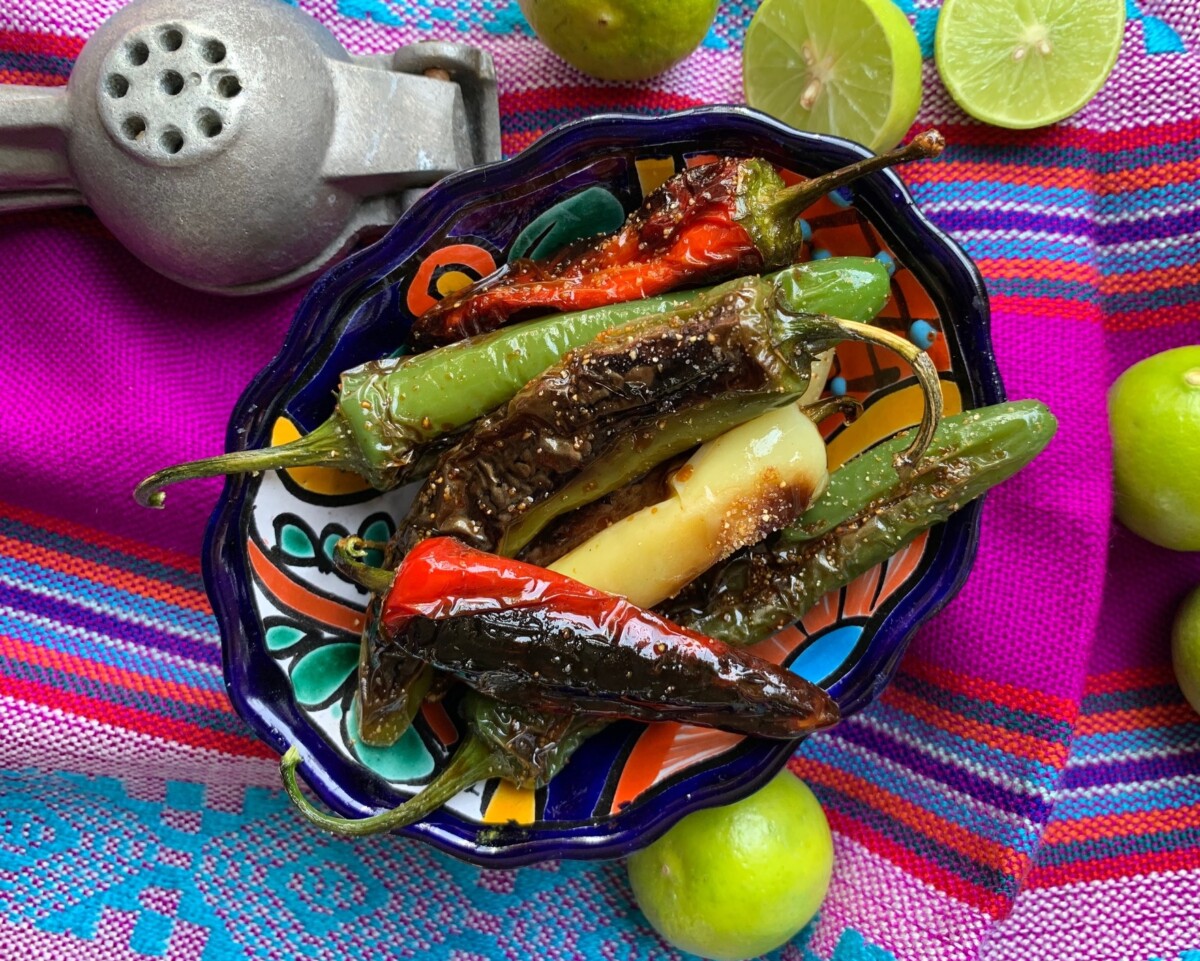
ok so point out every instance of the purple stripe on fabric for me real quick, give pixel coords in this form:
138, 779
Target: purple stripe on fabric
921, 762
1152, 768
72, 615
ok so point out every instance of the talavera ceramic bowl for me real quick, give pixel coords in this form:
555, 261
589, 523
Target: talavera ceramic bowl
289, 622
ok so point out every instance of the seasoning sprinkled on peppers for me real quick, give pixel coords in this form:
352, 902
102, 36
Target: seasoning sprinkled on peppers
717, 220
612, 410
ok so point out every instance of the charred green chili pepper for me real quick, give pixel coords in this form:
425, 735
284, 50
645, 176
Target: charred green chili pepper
637, 396
726, 218
504, 740
389, 411
866, 515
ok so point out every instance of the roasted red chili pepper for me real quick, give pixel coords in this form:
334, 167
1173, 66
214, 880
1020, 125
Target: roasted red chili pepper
716, 220
528, 636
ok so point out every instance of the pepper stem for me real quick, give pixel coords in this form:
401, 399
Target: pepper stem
789, 202
471, 763
327, 446
927, 375
848, 407
347, 555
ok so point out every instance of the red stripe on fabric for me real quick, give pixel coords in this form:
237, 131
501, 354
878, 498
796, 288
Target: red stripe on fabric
1159, 715
35, 654
1033, 175
1001, 738
1060, 308
1148, 281
126, 545
1006, 695
1128, 824
554, 98
978, 135
940, 831
133, 719
45, 43
1118, 866
1171, 316
104, 574
994, 905
1130, 679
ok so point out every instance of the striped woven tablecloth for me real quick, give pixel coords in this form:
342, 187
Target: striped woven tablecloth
1029, 787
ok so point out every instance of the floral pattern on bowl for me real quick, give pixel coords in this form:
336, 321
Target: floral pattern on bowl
290, 622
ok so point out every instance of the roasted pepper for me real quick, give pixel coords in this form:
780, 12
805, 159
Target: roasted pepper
527, 635
390, 411
726, 218
639, 395
866, 515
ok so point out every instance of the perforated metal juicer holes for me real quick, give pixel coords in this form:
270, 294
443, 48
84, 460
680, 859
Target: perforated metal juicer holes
169, 94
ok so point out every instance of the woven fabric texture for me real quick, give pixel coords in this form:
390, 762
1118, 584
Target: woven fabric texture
1028, 787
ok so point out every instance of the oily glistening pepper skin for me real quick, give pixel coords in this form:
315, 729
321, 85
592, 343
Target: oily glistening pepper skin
717, 220
855, 288
867, 512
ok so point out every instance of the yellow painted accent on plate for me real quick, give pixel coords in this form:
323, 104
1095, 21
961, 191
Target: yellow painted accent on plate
653, 172
453, 280
511, 803
885, 417
319, 480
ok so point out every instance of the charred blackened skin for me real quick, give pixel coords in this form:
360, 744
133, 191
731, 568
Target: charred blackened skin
724, 219
567, 419
529, 636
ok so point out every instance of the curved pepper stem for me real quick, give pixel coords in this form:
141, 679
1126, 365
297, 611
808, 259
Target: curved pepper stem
347, 558
821, 328
472, 762
848, 407
791, 201
327, 446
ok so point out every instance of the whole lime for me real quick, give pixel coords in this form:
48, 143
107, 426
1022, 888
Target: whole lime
1185, 648
620, 39
737, 881
1154, 416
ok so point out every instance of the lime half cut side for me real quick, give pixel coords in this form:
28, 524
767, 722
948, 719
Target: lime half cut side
1027, 63
851, 68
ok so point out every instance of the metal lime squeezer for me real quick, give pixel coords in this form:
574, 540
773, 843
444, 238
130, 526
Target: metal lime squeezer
235, 145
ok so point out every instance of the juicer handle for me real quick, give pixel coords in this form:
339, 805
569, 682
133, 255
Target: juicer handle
34, 172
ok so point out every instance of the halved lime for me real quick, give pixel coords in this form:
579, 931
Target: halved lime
846, 67
1027, 63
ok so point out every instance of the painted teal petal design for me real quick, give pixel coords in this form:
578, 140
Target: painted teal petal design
318, 675
377, 530
330, 543
282, 636
824, 656
585, 214
296, 541
406, 760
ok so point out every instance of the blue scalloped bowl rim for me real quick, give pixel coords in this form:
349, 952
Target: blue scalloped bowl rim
258, 689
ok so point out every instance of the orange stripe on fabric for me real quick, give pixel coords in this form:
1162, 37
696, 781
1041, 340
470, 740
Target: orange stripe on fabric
644, 762
940, 831
39, 656
299, 598
126, 545
29, 78
1158, 715
1001, 738
1149, 281
104, 574
1129, 679
1006, 695
130, 718
1021, 269
1126, 824
969, 173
